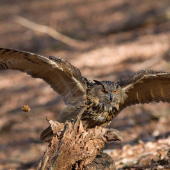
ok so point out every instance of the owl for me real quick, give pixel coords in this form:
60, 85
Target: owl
102, 100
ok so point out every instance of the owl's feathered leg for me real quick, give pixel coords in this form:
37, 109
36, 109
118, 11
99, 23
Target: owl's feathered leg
70, 112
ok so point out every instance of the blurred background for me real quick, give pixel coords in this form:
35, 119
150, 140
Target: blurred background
106, 40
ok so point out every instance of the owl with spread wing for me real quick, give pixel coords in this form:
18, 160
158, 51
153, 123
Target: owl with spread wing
103, 100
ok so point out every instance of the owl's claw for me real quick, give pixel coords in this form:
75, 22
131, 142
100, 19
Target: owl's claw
47, 118
81, 128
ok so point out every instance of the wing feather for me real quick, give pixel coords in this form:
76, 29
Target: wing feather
144, 87
64, 78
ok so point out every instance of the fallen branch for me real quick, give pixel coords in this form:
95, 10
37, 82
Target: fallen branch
51, 32
70, 148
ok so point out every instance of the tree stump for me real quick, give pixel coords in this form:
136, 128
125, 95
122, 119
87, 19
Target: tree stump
73, 148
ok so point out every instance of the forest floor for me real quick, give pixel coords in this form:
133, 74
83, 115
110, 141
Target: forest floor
120, 37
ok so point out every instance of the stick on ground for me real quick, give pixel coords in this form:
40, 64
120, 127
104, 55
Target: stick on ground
51, 32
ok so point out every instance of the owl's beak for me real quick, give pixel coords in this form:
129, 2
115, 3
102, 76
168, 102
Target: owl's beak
111, 97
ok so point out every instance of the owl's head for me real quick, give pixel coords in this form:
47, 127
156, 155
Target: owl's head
106, 93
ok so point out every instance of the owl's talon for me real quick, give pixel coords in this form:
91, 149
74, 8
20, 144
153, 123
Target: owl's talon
47, 118
81, 128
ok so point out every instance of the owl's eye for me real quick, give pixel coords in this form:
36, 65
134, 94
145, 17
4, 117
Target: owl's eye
115, 91
104, 91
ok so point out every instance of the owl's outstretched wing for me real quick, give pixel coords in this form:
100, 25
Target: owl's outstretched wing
145, 86
64, 78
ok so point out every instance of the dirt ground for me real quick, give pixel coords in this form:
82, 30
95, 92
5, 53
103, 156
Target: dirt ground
120, 37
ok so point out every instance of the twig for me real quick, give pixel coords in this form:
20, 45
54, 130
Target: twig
50, 31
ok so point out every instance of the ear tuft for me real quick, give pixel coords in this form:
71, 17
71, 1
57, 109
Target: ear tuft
98, 82
117, 85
